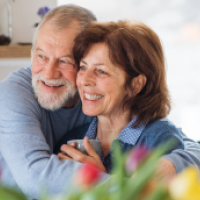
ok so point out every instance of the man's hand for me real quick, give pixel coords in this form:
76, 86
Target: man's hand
165, 170
69, 152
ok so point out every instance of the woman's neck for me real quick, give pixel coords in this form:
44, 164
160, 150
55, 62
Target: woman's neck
109, 127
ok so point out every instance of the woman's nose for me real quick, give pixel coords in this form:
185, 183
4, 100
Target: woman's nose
51, 70
88, 79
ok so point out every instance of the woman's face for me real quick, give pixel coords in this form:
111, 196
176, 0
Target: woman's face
101, 84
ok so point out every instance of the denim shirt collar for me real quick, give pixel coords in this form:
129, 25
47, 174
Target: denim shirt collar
128, 135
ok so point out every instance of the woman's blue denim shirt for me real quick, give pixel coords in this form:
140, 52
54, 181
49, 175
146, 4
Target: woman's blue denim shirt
152, 135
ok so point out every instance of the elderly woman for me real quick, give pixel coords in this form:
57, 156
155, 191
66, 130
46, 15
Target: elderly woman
122, 81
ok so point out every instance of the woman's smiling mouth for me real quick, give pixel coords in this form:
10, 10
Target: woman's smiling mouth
93, 97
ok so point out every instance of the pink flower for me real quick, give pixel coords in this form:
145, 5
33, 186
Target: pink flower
87, 175
134, 158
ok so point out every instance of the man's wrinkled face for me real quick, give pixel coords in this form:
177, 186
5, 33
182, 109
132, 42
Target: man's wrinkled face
53, 66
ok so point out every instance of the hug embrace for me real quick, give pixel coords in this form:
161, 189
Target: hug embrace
106, 81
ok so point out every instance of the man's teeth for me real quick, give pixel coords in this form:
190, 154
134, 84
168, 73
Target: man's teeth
93, 96
52, 85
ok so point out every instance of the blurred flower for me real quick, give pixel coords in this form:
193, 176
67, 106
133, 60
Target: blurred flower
135, 156
186, 186
87, 176
43, 10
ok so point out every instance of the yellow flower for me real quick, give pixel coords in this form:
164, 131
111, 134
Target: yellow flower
186, 186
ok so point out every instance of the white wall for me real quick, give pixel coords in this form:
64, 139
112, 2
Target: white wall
4, 16
24, 16
8, 65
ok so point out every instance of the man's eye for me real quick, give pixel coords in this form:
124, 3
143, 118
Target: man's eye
66, 63
41, 56
42, 59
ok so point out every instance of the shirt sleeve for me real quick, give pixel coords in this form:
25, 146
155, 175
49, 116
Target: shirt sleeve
183, 158
23, 145
164, 133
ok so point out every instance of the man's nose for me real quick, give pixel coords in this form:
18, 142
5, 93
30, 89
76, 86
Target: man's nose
51, 70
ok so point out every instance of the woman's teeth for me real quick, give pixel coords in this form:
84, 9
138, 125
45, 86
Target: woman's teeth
93, 96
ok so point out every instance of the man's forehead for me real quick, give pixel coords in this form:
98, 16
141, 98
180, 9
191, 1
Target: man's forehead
52, 38
60, 36
51, 26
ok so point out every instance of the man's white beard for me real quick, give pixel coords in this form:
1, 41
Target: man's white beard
53, 101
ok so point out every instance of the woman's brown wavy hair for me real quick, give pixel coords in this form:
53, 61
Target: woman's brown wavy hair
135, 48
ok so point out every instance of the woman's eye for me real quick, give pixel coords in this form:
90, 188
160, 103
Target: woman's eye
82, 68
101, 71
65, 62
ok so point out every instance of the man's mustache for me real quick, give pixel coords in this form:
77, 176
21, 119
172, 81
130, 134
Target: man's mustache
56, 82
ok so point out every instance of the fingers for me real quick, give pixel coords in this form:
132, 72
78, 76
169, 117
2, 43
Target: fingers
72, 144
63, 156
69, 152
73, 153
63, 147
88, 147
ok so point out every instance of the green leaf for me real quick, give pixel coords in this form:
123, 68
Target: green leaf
117, 157
118, 163
11, 194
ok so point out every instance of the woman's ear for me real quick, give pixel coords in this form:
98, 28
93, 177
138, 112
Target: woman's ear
138, 83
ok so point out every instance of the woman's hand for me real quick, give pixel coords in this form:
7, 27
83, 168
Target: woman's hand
69, 152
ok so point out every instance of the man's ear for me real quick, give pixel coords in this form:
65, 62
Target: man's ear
138, 83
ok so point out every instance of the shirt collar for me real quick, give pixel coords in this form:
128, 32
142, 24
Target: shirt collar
92, 130
128, 135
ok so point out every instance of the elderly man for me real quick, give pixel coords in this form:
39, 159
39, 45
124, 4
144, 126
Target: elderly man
40, 104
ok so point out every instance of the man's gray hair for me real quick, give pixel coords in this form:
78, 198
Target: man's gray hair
62, 16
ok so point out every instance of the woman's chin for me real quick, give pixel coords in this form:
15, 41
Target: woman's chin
90, 113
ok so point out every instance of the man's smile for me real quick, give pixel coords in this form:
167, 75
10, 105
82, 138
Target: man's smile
51, 85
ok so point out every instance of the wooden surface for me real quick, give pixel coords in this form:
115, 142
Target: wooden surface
15, 51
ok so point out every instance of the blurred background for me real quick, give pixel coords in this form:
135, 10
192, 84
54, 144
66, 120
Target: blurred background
177, 22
